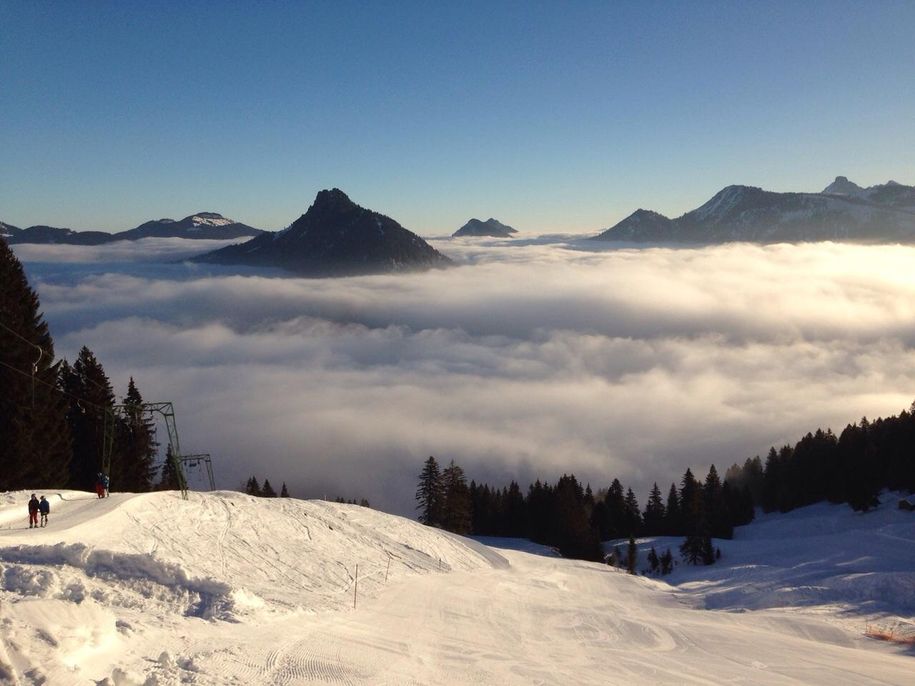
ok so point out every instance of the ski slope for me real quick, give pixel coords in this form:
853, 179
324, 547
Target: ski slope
228, 589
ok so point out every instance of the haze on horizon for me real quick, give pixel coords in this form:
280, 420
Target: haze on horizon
551, 118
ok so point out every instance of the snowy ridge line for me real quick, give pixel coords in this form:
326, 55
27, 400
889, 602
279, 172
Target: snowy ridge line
215, 596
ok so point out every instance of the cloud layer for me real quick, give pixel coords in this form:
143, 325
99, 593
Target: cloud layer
529, 360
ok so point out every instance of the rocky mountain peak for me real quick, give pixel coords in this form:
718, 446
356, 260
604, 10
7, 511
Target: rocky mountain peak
332, 200
842, 186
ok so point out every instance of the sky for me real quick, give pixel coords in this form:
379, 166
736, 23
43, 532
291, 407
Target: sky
528, 360
548, 116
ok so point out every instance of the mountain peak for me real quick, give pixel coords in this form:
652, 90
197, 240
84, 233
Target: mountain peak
842, 186
491, 227
335, 237
332, 199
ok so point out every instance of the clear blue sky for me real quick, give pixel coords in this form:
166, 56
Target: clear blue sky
562, 116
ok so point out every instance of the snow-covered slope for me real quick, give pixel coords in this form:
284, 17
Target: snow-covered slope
228, 589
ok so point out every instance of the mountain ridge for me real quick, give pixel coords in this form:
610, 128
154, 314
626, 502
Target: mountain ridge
843, 211
200, 225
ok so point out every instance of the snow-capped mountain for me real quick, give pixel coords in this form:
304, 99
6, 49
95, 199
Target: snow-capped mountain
203, 225
7, 230
209, 225
843, 211
491, 227
335, 237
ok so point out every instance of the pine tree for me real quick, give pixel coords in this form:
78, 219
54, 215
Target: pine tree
692, 511
35, 447
633, 517
654, 512
717, 517
134, 458
283, 492
267, 490
673, 521
514, 509
667, 562
91, 402
631, 556
653, 560
570, 530
168, 477
252, 487
616, 518
456, 514
430, 494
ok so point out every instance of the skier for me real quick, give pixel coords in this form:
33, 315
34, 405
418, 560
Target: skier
99, 486
44, 507
105, 483
33, 512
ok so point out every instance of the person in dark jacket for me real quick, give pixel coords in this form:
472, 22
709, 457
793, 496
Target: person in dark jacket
44, 507
33, 512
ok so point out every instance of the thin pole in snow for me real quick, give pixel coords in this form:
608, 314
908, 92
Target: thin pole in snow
355, 585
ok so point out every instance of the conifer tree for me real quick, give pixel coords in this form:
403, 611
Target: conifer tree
283, 492
430, 493
654, 512
134, 459
717, 517
267, 490
673, 521
631, 556
616, 517
253, 487
653, 560
35, 448
691, 505
667, 562
571, 531
168, 478
514, 509
91, 401
633, 517
456, 514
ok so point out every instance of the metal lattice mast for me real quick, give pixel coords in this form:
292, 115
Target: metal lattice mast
167, 411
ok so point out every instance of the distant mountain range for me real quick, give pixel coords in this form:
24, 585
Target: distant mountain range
204, 225
335, 237
491, 227
843, 211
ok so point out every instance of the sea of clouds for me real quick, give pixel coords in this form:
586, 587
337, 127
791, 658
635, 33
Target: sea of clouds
530, 359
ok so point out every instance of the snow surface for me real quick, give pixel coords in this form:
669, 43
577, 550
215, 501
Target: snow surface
209, 220
228, 589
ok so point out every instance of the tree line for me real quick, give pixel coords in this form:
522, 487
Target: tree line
867, 457
253, 487
53, 414
571, 517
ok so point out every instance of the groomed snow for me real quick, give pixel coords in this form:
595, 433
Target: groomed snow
229, 589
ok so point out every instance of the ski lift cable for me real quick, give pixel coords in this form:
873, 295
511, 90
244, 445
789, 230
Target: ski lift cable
80, 401
20, 336
41, 352
35, 363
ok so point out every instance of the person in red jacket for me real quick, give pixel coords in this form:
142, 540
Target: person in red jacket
33, 512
